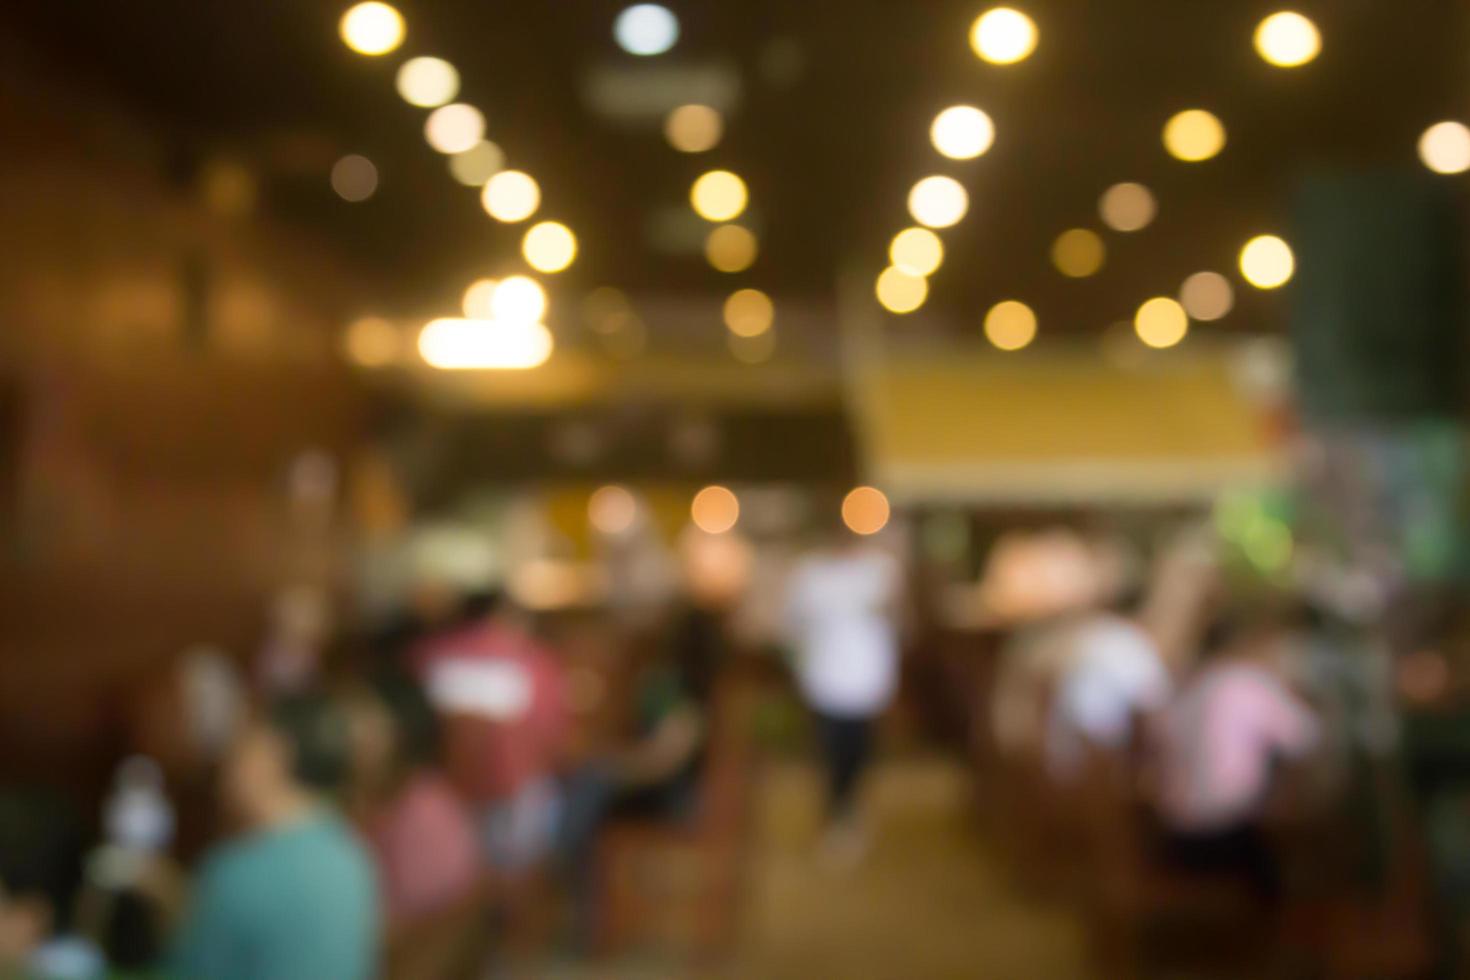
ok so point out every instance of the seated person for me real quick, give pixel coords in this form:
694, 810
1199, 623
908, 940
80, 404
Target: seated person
419, 831
40, 875
500, 695
1220, 743
1113, 677
294, 897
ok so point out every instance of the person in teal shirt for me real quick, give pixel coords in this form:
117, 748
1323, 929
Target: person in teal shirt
295, 897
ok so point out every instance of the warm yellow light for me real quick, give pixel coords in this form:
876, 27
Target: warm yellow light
962, 132
611, 510
1207, 296
1161, 322
354, 178
715, 510
865, 511
900, 291
518, 299
1266, 262
694, 128
1287, 39
749, 313
1003, 36
454, 128
428, 82
1010, 325
731, 248
372, 28
1127, 207
371, 342
511, 196
917, 251
549, 246
938, 202
479, 299
478, 164
484, 345
1078, 253
719, 196
1445, 148
752, 350
1194, 135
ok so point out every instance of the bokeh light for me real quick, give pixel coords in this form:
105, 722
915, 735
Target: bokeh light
1445, 148
427, 82
611, 510
900, 291
865, 511
1266, 262
518, 299
1078, 253
715, 510
478, 302
1127, 207
511, 196
938, 202
1003, 36
1287, 39
478, 164
454, 128
646, 29
354, 178
372, 28
1161, 322
1207, 296
694, 128
731, 248
719, 196
371, 342
749, 313
1010, 325
549, 246
752, 350
479, 345
962, 132
917, 251
1194, 135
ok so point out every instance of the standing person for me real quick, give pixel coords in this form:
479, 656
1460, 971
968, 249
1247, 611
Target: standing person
501, 696
294, 898
842, 612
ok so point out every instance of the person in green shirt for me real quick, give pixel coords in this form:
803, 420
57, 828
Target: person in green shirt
294, 897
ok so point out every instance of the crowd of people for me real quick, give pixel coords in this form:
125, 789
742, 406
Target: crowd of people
358, 790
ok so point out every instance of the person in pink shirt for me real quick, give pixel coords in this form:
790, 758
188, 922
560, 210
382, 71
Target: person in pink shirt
419, 831
501, 696
1221, 744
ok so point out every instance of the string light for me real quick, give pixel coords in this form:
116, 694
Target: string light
694, 128
1445, 148
1003, 36
454, 128
719, 196
938, 202
731, 248
1127, 207
1010, 325
427, 82
1194, 135
962, 132
715, 510
1267, 262
1287, 39
511, 196
901, 292
1078, 253
1161, 322
749, 313
1207, 296
865, 511
549, 246
917, 251
372, 28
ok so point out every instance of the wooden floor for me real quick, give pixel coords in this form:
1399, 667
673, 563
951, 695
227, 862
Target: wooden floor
929, 902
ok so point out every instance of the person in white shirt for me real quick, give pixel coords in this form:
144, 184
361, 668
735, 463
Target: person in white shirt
1114, 676
842, 613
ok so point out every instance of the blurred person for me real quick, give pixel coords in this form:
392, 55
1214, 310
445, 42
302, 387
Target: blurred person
1113, 679
300, 624
842, 611
41, 851
294, 897
500, 693
418, 828
657, 774
1221, 744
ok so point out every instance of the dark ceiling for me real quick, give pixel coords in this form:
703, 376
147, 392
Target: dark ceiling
829, 156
